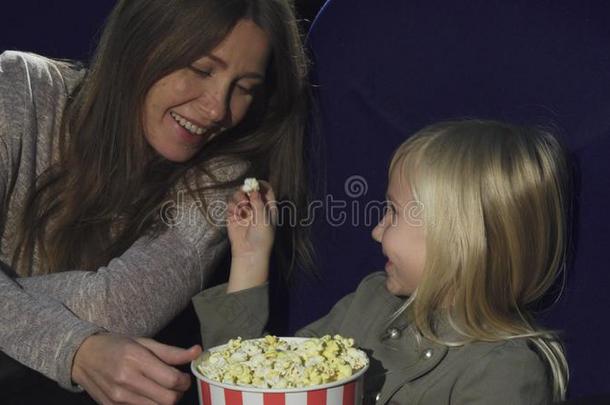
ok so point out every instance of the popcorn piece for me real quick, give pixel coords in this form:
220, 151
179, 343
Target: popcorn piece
250, 185
273, 362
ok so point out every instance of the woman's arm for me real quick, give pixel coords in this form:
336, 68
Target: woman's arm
40, 332
108, 366
139, 292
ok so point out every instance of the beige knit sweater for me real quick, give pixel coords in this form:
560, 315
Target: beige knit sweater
44, 319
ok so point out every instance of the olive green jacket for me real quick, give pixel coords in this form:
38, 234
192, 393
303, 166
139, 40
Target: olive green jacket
404, 369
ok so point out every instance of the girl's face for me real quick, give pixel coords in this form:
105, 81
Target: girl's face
188, 107
402, 237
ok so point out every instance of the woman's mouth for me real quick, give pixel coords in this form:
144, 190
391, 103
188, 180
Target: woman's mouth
186, 124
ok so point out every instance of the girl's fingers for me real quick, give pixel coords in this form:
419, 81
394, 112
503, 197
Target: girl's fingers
271, 210
256, 201
239, 212
265, 211
256, 206
267, 190
239, 198
239, 195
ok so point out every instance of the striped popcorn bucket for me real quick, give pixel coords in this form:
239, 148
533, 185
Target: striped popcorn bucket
344, 392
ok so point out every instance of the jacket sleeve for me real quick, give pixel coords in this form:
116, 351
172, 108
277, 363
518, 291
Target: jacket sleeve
245, 313
508, 375
225, 316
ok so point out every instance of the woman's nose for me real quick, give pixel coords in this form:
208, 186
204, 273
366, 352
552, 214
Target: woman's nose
217, 109
214, 103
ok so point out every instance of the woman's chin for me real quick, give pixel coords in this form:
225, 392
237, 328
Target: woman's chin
175, 153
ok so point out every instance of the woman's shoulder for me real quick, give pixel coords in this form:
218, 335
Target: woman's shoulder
33, 70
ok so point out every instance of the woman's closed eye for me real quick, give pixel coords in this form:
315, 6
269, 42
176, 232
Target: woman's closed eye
201, 72
247, 89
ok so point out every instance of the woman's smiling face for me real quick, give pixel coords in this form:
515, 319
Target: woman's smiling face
188, 107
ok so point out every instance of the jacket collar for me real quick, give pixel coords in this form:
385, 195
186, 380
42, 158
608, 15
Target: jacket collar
425, 357
415, 356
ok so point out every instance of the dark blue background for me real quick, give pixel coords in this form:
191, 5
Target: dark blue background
384, 70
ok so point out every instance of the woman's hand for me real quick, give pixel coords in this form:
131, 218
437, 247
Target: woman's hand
116, 369
251, 221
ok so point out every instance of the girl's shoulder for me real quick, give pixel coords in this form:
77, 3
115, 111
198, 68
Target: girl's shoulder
372, 283
517, 350
372, 292
511, 369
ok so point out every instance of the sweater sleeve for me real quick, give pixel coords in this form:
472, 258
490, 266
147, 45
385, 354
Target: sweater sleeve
40, 332
4, 168
139, 292
37, 331
149, 284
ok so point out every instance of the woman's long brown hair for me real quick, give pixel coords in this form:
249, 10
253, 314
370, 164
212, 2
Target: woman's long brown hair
107, 187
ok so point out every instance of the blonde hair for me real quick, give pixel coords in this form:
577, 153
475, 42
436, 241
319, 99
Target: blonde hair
495, 201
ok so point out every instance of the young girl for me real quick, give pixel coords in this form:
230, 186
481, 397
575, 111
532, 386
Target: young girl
475, 232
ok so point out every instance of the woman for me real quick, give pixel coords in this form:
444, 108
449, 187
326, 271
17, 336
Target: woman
108, 179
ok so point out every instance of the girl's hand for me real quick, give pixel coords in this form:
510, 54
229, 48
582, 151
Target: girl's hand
251, 224
116, 369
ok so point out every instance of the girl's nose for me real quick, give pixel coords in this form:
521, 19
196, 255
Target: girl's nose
378, 232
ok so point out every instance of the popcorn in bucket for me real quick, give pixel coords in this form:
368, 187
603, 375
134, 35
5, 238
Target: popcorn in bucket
286, 371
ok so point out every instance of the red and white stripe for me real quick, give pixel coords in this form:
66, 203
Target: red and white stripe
348, 394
